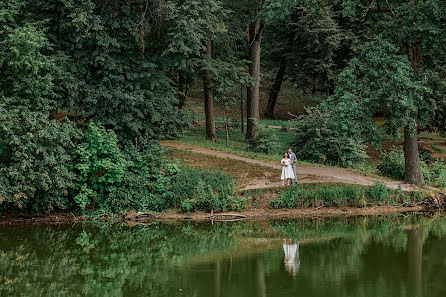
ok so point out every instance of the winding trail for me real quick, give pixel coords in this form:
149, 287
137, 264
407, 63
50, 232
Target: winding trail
305, 173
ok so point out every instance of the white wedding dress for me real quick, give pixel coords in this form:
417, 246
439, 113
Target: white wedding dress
287, 170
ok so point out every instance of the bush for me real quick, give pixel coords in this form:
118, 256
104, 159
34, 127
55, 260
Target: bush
265, 140
379, 192
317, 139
435, 175
392, 163
194, 189
100, 166
35, 163
112, 180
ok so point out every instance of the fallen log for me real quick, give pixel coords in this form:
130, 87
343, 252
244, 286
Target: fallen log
227, 217
138, 216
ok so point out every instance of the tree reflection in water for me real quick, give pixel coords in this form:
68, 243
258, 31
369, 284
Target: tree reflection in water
387, 256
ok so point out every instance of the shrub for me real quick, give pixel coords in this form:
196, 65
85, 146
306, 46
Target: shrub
317, 138
392, 164
435, 175
100, 166
35, 163
112, 180
379, 192
265, 140
193, 189
147, 176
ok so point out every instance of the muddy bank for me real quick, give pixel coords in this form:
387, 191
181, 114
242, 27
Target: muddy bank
253, 214
266, 214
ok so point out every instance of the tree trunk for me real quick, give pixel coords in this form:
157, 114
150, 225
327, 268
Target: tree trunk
141, 7
255, 30
208, 98
275, 89
413, 174
182, 87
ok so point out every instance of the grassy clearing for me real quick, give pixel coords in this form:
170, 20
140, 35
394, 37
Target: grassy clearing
235, 122
438, 149
290, 102
237, 144
236, 169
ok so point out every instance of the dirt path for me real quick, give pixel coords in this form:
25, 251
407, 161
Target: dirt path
305, 173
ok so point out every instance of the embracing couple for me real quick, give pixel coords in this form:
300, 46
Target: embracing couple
289, 167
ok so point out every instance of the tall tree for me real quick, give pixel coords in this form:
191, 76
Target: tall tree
254, 37
208, 97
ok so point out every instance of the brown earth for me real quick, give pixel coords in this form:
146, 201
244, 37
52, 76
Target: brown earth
267, 214
305, 173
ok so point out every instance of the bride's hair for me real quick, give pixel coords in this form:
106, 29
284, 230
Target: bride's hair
285, 155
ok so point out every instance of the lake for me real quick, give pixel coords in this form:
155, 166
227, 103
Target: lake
400, 255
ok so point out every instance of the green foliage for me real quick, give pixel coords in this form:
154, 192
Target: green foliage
141, 179
379, 77
304, 196
435, 174
392, 163
35, 150
100, 166
318, 139
379, 192
112, 179
202, 189
264, 141
107, 74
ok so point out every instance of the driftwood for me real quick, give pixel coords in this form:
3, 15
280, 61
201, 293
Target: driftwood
436, 202
226, 217
138, 216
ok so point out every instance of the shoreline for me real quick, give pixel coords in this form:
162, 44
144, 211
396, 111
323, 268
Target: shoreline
133, 218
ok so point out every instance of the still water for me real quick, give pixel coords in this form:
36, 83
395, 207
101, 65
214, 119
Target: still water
384, 256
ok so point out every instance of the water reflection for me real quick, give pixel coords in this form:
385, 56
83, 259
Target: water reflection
386, 256
415, 241
291, 251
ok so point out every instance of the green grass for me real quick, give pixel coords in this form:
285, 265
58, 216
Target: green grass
305, 196
438, 149
237, 144
236, 120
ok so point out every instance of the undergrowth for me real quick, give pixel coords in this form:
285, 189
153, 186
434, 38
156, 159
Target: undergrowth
434, 170
302, 196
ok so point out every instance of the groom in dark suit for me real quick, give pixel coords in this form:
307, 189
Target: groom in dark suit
293, 160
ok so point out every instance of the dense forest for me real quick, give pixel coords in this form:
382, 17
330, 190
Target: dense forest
88, 88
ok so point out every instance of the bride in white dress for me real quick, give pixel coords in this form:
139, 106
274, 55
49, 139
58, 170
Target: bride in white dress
287, 170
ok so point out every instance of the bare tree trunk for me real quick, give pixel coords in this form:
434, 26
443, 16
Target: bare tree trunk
275, 89
413, 173
182, 90
142, 6
208, 98
255, 30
